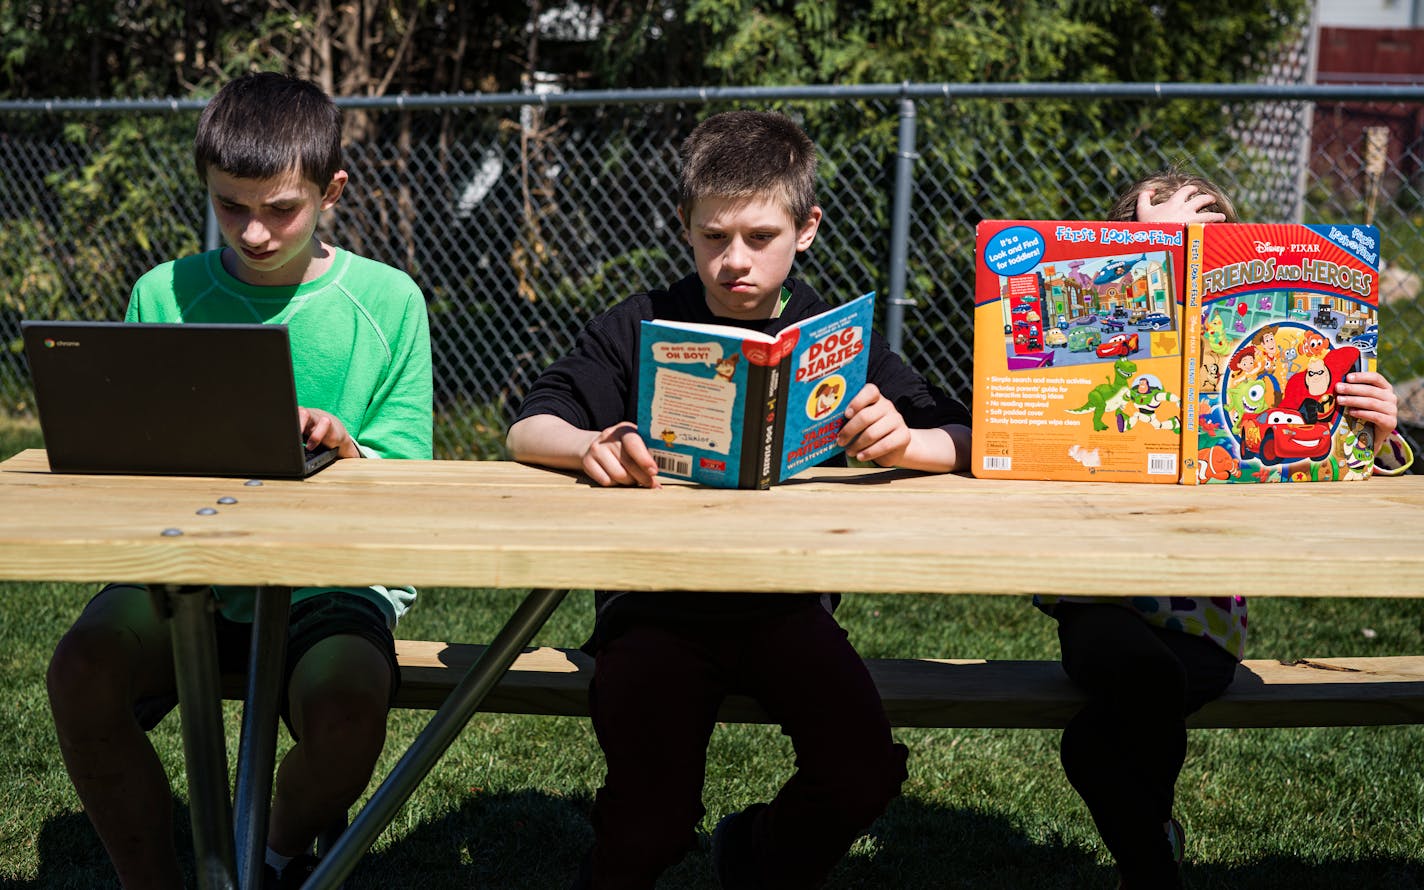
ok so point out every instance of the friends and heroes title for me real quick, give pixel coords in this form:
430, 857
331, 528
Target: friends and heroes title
1260, 270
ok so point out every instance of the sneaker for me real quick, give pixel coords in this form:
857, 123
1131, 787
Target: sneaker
584, 879
293, 876
1177, 837
1176, 840
719, 849
729, 843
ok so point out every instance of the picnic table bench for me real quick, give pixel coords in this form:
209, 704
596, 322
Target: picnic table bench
930, 692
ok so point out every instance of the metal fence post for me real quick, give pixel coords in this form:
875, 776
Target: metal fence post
900, 223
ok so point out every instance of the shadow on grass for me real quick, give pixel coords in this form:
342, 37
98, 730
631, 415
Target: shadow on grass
1288, 873
72, 858
531, 840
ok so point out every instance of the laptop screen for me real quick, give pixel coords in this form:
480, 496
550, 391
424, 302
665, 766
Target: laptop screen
173, 399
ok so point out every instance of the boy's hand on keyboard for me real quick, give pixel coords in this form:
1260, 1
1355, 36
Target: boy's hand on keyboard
322, 428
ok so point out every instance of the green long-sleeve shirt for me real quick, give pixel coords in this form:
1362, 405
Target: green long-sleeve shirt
360, 350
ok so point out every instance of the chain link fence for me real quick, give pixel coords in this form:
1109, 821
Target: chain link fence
520, 221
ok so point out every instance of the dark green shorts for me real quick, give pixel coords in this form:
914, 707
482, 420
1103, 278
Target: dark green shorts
312, 620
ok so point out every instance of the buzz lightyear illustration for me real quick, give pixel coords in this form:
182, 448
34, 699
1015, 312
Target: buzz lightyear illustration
1148, 396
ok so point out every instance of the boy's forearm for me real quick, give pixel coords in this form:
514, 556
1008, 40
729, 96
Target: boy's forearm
549, 441
939, 450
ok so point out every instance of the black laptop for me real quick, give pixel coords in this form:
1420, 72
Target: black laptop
168, 399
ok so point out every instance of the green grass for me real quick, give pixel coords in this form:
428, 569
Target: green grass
983, 809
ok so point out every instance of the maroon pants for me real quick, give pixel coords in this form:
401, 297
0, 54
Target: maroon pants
654, 702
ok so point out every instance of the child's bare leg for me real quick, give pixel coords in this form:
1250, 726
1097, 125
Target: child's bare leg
339, 694
117, 652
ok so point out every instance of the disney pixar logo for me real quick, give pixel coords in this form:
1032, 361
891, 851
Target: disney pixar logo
50, 343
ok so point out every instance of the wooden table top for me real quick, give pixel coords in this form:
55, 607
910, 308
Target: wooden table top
500, 524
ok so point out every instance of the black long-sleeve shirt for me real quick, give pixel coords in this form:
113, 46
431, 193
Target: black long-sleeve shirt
595, 386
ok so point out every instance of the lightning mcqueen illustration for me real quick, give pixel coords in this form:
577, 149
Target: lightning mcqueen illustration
1118, 344
1282, 434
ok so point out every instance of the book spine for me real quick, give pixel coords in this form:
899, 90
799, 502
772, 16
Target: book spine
780, 390
1191, 354
755, 468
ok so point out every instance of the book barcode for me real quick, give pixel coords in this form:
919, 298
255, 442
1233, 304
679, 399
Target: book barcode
994, 462
672, 463
1161, 464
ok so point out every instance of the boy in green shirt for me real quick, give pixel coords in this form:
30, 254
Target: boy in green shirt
268, 148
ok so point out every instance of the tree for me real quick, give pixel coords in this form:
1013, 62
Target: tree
975, 157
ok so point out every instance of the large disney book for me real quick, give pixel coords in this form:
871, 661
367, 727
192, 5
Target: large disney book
734, 408
1277, 314
1077, 350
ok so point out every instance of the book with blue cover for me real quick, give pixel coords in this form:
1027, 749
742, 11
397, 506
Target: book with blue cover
730, 407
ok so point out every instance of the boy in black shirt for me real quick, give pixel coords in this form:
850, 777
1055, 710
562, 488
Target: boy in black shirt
665, 660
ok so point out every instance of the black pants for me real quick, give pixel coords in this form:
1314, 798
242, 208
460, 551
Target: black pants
1122, 752
654, 702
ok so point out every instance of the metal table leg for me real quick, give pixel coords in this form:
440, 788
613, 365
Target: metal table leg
195, 661
257, 750
437, 736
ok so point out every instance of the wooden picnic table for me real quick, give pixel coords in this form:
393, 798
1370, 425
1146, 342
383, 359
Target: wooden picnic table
485, 524
500, 524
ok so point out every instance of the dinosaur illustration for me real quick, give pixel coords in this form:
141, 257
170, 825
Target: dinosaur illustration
1110, 396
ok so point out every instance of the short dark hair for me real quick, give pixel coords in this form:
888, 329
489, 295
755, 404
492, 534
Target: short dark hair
267, 124
1164, 183
749, 154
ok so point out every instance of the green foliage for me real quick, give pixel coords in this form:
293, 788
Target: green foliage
890, 41
1401, 352
61, 263
92, 49
979, 158
468, 431
1025, 41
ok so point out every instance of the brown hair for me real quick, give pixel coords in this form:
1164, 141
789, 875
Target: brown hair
265, 124
749, 154
1163, 184
1241, 355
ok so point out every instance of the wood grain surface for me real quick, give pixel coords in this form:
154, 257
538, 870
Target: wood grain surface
499, 524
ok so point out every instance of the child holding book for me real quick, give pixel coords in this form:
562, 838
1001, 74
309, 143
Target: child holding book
1148, 662
665, 660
